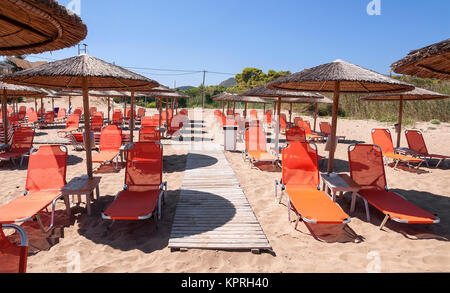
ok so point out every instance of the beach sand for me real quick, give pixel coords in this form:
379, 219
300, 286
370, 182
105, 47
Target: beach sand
359, 246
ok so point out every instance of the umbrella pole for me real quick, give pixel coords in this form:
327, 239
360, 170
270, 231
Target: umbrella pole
400, 118
234, 108
277, 130
132, 103
87, 128
223, 107
316, 108
42, 107
245, 110
160, 113
167, 112
290, 113
5, 115
53, 104
109, 107
70, 102
337, 87
264, 109
35, 105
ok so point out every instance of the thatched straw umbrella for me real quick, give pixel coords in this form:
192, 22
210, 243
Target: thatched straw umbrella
161, 93
414, 95
316, 103
109, 95
280, 97
13, 91
36, 26
338, 77
82, 72
429, 62
228, 97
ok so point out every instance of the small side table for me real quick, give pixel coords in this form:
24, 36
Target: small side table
79, 186
340, 183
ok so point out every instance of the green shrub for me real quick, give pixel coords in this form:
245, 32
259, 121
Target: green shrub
435, 121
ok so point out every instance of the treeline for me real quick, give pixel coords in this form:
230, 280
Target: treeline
350, 104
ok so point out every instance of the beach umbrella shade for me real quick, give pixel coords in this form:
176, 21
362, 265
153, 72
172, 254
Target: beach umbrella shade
414, 95
14, 91
281, 96
429, 62
316, 103
109, 95
36, 26
229, 97
338, 77
81, 72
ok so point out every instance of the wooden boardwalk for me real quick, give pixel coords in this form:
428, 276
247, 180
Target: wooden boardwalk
213, 212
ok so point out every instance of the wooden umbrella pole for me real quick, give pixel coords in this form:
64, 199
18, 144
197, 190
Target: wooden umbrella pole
35, 105
160, 113
337, 87
316, 108
290, 113
87, 128
245, 110
109, 107
70, 102
223, 107
400, 118
167, 112
277, 130
5, 115
132, 104
264, 109
53, 104
234, 107
42, 106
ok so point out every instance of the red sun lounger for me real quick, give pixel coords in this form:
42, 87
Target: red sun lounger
149, 134
13, 258
416, 143
300, 186
144, 190
367, 170
256, 147
22, 142
72, 125
45, 177
110, 143
383, 139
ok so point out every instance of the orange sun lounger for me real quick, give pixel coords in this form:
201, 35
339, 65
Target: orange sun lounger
300, 186
13, 258
72, 125
45, 177
110, 143
367, 170
383, 139
144, 190
149, 134
325, 130
256, 147
416, 143
22, 142
310, 135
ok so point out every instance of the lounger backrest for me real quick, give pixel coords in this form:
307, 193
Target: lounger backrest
295, 134
23, 109
144, 166
147, 121
141, 112
255, 139
73, 121
300, 165
127, 113
78, 111
297, 120
22, 139
110, 138
383, 139
254, 114
149, 134
32, 117
92, 110
62, 113
416, 142
366, 166
99, 114
306, 126
117, 117
325, 128
183, 112
30, 110
96, 123
268, 118
283, 124
47, 168
49, 117
13, 258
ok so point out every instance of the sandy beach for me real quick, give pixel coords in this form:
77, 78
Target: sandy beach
142, 246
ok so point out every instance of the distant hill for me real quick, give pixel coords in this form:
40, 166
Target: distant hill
183, 88
229, 82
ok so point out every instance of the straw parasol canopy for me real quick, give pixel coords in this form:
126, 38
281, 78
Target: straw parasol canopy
414, 95
36, 26
429, 62
83, 72
338, 77
230, 97
71, 72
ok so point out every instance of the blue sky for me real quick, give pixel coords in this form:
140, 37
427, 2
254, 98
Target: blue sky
227, 36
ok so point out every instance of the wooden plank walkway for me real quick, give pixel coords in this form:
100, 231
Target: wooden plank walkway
213, 212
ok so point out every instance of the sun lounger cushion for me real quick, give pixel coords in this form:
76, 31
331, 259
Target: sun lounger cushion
130, 205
